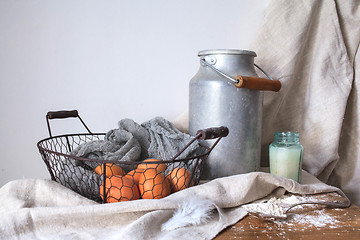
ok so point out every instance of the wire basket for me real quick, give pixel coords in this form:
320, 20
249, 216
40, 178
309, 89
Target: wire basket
113, 181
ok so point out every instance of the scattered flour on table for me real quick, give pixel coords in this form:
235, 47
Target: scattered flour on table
277, 207
319, 219
266, 208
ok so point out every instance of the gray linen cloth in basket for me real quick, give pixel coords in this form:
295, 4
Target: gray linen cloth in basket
156, 138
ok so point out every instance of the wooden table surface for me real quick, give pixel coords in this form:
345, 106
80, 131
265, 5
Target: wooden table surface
311, 222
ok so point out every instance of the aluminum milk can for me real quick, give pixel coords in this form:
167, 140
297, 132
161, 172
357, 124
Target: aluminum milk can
226, 91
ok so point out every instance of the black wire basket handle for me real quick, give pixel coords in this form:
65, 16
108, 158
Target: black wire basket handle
63, 114
212, 133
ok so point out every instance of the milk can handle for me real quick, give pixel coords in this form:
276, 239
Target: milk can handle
257, 83
254, 83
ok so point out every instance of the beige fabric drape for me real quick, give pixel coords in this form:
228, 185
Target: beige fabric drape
43, 209
312, 48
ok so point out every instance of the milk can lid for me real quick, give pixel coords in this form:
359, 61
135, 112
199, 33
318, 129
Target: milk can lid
226, 51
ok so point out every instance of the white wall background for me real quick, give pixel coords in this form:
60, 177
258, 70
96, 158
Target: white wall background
107, 59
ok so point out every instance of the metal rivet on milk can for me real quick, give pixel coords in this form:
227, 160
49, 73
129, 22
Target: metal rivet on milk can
226, 91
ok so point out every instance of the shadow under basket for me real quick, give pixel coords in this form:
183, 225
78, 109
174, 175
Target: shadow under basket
113, 181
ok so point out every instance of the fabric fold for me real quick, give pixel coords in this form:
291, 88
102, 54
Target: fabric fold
311, 47
43, 209
156, 138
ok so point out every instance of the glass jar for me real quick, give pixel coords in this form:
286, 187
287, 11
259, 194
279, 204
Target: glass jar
285, 155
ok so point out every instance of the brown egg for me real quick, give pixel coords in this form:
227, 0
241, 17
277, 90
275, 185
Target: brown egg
111, 169
119, 188
134, 175
179, 179
160, 167
153, 184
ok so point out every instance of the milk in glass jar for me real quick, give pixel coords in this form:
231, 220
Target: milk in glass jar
285, 155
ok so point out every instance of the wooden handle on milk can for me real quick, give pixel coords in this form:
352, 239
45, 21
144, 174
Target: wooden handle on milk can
257, 83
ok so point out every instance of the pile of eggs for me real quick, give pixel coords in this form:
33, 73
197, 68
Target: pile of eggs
147, 181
